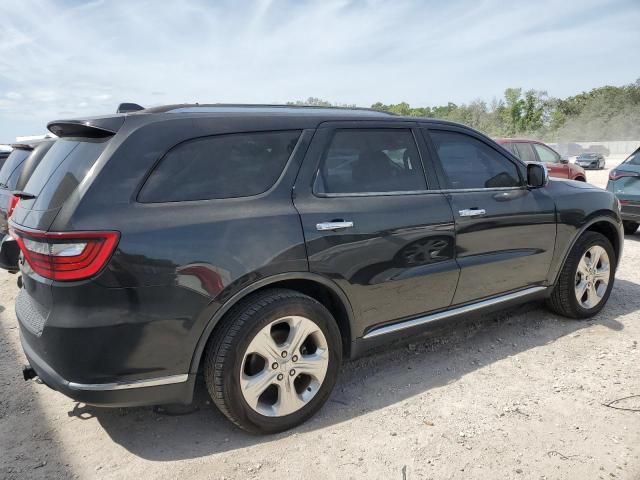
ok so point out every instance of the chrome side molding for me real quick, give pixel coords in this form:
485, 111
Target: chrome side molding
395, 327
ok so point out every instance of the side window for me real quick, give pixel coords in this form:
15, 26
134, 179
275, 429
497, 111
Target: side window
469, 163
546, 154
511, 147
525, 152
222, 166
371, 161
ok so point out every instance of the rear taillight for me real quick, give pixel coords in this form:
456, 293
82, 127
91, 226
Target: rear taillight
616, 174
13, 203
66, 256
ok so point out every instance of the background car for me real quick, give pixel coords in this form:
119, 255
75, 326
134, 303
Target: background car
4, 154
534, 151
14, 175
624, 182
591, 160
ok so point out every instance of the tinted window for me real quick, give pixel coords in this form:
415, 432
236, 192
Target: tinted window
525, 152
511, 147
634, 159
546, 154
60, 171
470, 163
371, 161
13, 162
223, 166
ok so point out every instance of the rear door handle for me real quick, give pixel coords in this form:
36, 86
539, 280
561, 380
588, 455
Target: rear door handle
472, 212
324, 226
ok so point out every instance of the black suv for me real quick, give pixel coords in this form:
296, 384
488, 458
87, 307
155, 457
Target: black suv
260, 245
14, 175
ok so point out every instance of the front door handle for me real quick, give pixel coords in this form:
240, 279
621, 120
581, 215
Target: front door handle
324, 226
472, 212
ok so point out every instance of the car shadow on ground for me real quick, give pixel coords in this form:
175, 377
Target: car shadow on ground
365, 385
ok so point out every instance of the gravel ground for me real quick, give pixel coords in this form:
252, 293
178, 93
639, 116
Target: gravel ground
520, 394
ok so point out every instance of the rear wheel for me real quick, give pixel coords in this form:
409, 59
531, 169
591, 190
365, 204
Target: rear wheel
630, 227
586, 278
274, 362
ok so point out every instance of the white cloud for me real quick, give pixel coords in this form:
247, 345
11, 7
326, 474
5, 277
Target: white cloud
86, 59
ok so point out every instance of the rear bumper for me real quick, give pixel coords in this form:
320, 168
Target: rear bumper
151, 391
9, 254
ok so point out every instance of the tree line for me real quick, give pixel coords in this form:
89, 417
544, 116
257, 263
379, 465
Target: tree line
603, 113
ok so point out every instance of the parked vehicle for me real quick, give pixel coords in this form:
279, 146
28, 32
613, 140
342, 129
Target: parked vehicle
13, 177
260, 245
624, 182
591, 160
534, 151
4, 154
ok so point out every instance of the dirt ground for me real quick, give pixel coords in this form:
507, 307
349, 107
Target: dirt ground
518, 395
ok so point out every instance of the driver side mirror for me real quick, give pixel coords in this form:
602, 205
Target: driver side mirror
564, 159
537, 175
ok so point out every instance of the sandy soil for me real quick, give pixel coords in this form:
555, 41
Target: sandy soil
516, 395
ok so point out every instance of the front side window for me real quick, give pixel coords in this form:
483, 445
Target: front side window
371, 161
546, 154
469, 163
221, 166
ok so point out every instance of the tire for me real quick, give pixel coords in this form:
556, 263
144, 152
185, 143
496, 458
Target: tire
564, 297
228, 361
630, 227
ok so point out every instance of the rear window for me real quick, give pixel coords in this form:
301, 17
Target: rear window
221, 166
62, 169
634, 159
13, 163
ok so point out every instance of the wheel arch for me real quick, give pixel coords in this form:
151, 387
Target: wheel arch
315, 286
604, 225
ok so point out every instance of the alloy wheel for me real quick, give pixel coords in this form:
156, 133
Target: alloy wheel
592, 277
284, 366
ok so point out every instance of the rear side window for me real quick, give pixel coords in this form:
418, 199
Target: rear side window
62, 169
510, 147
12, 164
546, 154
469, 163
371, 161
222, 166
525, 152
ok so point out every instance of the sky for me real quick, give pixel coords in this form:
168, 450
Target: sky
69, 59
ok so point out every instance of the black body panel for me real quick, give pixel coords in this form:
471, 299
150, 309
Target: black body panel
180, 266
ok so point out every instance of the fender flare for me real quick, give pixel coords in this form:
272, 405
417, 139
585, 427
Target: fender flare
265, 282
584, 228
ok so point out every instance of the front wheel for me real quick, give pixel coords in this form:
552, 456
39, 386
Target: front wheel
586, 279
274, 361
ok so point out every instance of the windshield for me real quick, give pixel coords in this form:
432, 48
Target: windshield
17, 157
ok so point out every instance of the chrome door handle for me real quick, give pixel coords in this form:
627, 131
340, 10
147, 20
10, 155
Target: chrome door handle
333, 226
472, 212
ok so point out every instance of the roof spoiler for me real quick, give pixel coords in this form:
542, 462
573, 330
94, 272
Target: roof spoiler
129, 107
101, 127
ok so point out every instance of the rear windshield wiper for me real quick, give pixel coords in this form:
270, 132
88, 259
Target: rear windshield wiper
23, 195
3, 185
